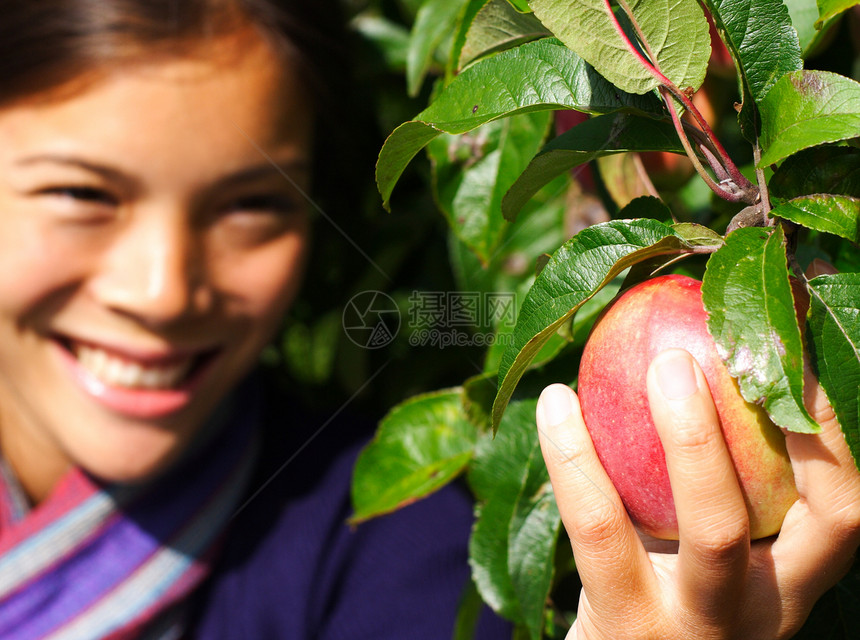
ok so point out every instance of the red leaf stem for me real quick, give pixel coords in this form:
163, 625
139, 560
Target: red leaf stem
745, 187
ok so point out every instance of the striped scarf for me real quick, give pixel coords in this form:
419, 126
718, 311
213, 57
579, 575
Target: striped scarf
97, 561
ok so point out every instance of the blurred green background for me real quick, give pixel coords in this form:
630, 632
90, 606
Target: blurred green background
359, 247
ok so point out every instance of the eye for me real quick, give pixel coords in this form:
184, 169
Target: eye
256, 218
82, 194
264, 203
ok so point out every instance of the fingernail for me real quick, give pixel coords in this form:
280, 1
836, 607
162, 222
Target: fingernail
555, 405
676, 377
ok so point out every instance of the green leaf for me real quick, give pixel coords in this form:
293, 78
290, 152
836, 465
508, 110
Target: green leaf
468, 613
578, 270
697, 234
537, 76
764, 45
390, 38
513, 542
488, 557
531, 547
834, 333
501, 460
804, 14
676, 33
511, 270
830, 8
590, 311
520, 5
473, 171
464, 23
594, 138
309, 349
420, 446
747, 294
693, 234
434, 21
839, 215
478, 394
623, 176
499, 26
808, 108
760, 37
512, 266
497, 476
825, 169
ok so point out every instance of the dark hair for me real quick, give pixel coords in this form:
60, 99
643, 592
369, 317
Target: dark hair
47, 43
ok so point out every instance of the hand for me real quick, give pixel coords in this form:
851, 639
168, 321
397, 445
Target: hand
714, 583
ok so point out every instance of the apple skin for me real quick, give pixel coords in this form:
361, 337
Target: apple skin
659, 314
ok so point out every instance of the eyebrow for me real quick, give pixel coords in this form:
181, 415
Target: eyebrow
266, 170
73, 161
263, 170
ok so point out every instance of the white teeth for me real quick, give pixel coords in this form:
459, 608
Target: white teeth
116, 372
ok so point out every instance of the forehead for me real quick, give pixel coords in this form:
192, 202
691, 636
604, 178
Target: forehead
225, 101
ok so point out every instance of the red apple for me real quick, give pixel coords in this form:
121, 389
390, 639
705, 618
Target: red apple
659, 314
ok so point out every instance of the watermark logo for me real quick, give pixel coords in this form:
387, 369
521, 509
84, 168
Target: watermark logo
371, 319
458, 318
436, 318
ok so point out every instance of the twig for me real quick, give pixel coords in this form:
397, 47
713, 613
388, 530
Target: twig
731, 196
743, 187
762, 183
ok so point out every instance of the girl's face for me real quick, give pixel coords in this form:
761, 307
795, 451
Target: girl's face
150, 242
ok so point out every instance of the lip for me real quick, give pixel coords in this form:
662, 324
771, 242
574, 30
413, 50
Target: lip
148, 356
137, 403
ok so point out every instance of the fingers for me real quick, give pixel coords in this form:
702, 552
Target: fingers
611, 562
822, 531
712, 516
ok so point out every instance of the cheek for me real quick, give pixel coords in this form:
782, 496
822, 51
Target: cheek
37, 265
265, 282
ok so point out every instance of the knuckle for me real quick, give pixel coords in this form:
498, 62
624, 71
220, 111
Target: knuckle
722, 541
693, 625
564, 456
844, 524
599, 522
848, 520
571, 464
690, 436
839, 515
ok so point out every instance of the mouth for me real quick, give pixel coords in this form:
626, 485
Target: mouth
119, 370
143, 384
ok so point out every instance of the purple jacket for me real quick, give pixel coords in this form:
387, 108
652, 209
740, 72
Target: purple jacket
293, 570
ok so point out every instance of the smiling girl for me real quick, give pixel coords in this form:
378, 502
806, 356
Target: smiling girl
155, 157
154, 161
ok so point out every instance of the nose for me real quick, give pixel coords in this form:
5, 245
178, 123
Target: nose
154, 271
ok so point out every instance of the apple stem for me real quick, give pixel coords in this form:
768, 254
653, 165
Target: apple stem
735, 187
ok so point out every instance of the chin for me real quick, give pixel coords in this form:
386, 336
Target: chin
137, 455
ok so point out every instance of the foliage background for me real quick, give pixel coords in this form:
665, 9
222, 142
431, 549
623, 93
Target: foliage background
419, 247
358, 246
412, 245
